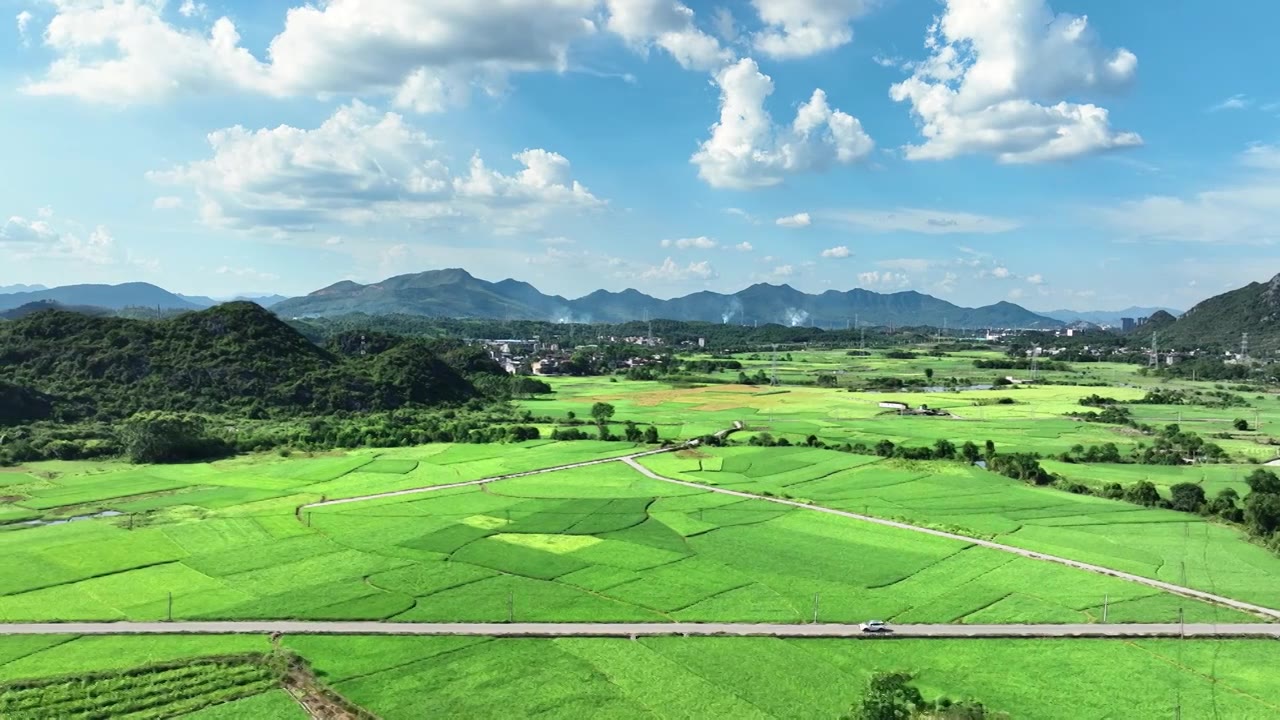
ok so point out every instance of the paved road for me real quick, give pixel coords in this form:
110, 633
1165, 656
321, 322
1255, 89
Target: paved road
1267, 612
1260, 630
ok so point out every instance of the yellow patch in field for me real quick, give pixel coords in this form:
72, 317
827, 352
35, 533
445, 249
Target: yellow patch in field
484, 522
559, 544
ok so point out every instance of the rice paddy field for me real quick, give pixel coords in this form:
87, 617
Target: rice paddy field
413, 677
233, 540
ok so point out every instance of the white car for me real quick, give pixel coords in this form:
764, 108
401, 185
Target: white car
874, 626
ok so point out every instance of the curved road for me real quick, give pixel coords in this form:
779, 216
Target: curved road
628, 630
1259, 610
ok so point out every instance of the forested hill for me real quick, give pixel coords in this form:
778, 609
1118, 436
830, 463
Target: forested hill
235, 358
1221, 321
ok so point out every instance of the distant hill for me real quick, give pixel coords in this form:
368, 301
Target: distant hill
4, 289
1221, 321
204, 301
112, 297
1107, 317
235, 357
41, 305
458, 294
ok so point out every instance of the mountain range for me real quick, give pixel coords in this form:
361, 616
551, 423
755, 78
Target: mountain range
457, 293
1107, 317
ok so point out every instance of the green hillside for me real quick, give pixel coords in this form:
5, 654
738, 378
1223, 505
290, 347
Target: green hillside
1220, 322
235, 358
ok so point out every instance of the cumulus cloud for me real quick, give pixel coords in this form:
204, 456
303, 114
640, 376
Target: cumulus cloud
747, 150
920, 220
127, 52
21, 230
48, 237
246, 272
996, 80
886, 279
837, 252
744, 246
1000, 272
1243, 211
783, 271
798, 220
1016, 294
24, 22
799, 28
1036, 279
671, 271
167, 202
360, 166
191, 8
669, 25
694, 243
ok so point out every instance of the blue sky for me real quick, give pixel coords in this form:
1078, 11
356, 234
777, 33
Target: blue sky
1056, 153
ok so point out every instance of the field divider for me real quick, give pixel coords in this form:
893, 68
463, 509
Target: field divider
1270, 613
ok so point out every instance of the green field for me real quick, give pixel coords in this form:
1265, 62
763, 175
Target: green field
413, 677
231, 540
1161, 544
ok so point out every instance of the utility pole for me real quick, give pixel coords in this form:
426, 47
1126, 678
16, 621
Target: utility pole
1106, 601
170, 607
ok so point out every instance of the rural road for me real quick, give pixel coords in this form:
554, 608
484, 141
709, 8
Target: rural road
1259, 610
626, 630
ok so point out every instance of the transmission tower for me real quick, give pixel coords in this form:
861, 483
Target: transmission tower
1244, 347
774, 382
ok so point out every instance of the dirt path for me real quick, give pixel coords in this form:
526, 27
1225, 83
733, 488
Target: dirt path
1267, 612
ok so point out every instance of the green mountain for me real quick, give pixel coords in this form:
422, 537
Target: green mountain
455, 293
112, 297
1220, 322
236, 358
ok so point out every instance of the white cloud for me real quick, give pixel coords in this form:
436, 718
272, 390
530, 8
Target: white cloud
744, 246
726, 27
694, 243
361, 166
746, 150
333, 240
784, 271
996, 80
671, 271
1036, 279
920, 220
837, 252
557, 241
191, 8
126, 52
799, 28
1244, 211
1238, 101
24, 21
669, 25
52, 238
21, 230
743, 214
166, 202
1016, 294
798, 220
885, 280
1000, 272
